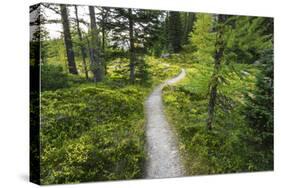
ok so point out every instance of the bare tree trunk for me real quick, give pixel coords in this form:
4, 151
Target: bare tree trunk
132, 47
96, 64
83, 50
103, 38
90, 50
219, 46
67, 40
103, 49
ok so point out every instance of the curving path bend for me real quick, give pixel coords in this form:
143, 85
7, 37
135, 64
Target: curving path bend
163, 155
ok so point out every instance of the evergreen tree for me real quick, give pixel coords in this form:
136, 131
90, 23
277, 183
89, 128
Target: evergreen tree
259, 112
40, 35
203, 39
175, 31
246, 38
133, 30
188, 22
218, 60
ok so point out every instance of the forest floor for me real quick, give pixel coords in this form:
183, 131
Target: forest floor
163, 154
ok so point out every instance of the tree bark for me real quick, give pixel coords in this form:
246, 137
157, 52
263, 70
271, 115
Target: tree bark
83, 50
103, 38
68, 41
95, 56
132, 47
219, 46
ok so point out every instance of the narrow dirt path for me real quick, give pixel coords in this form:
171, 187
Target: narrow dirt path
163, 156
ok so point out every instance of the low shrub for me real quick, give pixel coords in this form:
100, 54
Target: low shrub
92, 133
53, 77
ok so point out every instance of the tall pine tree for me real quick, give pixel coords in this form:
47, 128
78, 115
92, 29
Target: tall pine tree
218, 60
175, 31
259, 113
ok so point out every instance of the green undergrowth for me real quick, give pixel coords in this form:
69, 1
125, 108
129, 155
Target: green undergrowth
156, 70
94, 131
226, 148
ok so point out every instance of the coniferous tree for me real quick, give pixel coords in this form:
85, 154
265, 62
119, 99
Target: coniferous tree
203, 39
175, 31
243, 38
259, 112
133, 30
40, 35
188, 21
219, 46
246, 38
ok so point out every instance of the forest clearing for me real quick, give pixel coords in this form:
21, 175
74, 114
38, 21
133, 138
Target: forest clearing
130, 93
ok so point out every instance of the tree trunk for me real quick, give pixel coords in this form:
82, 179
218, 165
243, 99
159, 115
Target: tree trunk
90, 50
219, 46
103, 39
67, 40
132, 47
83, 50
95, 56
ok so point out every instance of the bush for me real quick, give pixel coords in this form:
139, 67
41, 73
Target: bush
53, 77
160, 69
148, 71
92, 133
